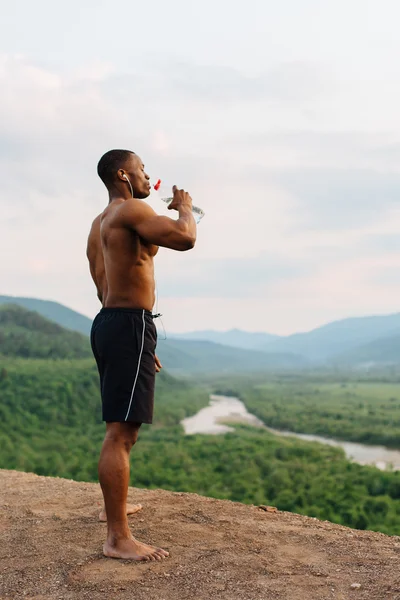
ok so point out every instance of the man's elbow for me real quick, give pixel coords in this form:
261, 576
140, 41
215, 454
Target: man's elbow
188, 243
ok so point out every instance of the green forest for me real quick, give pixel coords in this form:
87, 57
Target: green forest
50, 423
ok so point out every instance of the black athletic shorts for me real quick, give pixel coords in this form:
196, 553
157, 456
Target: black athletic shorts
124, 343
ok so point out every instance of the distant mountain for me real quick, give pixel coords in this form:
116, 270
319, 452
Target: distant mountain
180, 356
27, 334
326, 342
66, 317
319, 345
382, 351
235, 338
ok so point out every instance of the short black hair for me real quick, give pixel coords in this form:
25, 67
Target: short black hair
109, 164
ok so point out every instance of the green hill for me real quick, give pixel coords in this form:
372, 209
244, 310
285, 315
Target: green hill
27, 334
66, 317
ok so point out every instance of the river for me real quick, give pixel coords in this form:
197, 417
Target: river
222, 410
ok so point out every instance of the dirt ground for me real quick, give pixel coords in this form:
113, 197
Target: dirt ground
51, 540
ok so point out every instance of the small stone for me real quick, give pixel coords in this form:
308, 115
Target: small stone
355, 586
268, 508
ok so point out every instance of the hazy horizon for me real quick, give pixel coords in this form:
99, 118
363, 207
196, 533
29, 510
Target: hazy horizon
226, 330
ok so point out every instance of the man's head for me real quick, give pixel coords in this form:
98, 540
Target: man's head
120, 169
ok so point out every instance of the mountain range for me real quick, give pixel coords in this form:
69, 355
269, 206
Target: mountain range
357, 340
353, 341
27, 334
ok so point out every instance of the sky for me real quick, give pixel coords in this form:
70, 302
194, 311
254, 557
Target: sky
281, 119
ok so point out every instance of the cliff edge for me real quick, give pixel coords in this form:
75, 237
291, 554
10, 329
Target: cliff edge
51, 540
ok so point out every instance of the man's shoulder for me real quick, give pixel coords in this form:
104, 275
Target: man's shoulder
96, 222
134, 209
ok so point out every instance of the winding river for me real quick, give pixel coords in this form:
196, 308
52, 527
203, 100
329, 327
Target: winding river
222, 410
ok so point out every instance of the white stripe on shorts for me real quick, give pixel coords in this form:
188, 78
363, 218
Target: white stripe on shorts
138, 368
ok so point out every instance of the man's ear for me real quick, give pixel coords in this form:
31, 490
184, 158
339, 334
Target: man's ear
122, 175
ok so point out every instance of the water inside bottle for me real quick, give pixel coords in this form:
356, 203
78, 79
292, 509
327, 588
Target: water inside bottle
198, 213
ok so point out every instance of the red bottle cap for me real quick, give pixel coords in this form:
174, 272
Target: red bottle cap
157, 185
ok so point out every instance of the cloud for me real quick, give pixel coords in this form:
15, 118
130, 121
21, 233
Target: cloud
341, 199
228, 278
291, 213
286, 82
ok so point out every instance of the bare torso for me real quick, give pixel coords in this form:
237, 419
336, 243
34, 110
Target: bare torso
121, 263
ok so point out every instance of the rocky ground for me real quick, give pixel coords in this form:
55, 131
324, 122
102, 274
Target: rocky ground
51, 540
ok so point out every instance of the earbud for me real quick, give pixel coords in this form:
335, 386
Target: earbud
129, 183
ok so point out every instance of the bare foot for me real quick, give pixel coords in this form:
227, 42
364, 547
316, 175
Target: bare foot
131, 509
131, 549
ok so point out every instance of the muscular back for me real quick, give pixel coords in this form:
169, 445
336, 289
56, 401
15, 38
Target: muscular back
121, 262
96, 260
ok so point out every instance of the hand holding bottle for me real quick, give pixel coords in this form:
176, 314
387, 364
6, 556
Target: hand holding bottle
178, 198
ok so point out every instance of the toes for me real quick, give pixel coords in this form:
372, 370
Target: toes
144, 558
134, 508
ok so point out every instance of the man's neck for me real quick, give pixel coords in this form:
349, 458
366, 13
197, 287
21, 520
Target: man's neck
117, 194
118, 198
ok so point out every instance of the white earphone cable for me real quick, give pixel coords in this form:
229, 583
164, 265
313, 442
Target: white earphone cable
129, 183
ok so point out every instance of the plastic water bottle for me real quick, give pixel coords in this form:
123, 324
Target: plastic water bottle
165, 195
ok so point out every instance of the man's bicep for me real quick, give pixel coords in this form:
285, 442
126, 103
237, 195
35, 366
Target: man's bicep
157, 230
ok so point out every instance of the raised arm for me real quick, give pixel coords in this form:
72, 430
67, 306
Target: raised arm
155, 229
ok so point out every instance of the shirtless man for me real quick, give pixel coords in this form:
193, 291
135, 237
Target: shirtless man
123, 334
98, 272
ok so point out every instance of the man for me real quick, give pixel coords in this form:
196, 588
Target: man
122, 244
